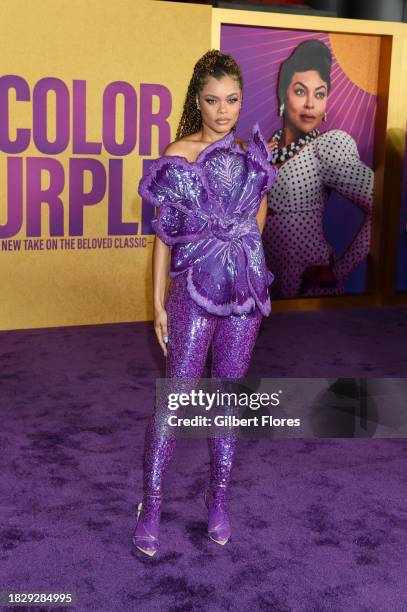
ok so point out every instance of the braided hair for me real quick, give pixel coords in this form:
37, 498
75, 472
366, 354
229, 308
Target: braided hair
215, 64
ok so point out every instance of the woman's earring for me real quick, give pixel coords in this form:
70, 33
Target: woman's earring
198, 107
281, 112
325, 117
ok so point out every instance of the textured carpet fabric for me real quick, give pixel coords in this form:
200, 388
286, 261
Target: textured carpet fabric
318, 524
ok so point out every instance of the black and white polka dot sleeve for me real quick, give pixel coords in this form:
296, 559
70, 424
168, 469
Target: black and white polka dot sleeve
341, 169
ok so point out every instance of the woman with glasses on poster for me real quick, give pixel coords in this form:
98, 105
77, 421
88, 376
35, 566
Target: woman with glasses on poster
210, 190
311, 165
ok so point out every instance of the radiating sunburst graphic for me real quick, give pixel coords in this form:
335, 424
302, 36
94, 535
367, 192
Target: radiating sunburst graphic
354, 76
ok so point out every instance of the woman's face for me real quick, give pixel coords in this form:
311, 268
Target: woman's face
306, 100
220, 101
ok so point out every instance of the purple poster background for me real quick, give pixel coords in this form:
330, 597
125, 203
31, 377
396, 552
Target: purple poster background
260, 52
401, 284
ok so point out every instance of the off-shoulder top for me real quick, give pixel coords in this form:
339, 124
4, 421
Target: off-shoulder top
207, 215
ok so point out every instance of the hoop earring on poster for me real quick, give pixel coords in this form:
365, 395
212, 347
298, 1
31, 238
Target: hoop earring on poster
325, 117
281, 111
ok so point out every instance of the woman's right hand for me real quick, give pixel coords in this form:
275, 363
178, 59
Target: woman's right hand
160, 327
322, 275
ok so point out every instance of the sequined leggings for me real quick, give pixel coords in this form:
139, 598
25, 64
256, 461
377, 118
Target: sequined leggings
191, 332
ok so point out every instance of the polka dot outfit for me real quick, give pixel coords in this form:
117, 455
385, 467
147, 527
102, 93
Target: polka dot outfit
293, 237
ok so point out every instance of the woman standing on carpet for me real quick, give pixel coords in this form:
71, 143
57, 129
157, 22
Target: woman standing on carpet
212, 205
312, 164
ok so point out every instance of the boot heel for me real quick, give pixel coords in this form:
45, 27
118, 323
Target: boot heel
146, 533
218, 522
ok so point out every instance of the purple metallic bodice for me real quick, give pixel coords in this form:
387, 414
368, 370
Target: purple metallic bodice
207, 214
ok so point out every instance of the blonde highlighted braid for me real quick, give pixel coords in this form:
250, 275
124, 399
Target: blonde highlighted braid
213, 63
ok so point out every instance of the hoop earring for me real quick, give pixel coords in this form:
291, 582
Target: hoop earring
281, 111
325, 117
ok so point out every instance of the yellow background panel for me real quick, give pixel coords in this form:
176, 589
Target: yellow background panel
98, 41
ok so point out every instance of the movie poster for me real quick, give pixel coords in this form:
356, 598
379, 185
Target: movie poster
307, 84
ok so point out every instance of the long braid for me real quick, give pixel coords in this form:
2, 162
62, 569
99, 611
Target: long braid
215, 64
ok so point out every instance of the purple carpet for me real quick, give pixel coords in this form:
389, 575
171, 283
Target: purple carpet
318, 524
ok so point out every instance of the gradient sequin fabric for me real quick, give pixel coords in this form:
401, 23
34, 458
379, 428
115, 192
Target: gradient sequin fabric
207, 214
293, 236
191, 332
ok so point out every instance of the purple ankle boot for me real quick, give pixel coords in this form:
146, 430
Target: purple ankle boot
147, 530
218, 521
158, 451
221, 452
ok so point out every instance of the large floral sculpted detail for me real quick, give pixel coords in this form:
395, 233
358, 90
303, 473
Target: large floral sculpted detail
207, 215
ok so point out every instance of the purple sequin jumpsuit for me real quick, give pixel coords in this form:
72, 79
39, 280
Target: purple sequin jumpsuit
220, 284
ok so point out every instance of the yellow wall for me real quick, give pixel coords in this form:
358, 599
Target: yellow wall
98, 41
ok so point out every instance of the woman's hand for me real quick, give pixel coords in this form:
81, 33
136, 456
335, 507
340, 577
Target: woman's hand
160, 327
323, 276
161, 263
272, 144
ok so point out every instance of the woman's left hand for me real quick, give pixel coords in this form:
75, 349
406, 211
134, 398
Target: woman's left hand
272, 144
322, 276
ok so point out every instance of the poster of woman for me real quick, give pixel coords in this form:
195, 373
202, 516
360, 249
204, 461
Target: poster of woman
319, 114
